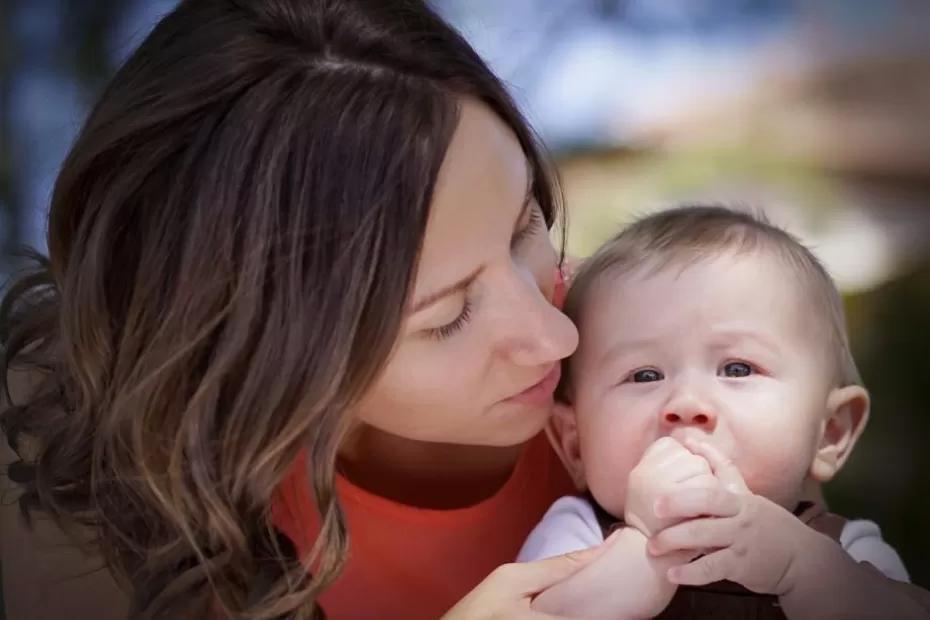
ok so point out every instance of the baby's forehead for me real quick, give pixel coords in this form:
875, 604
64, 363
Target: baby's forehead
765, 267
728, 285
621, 271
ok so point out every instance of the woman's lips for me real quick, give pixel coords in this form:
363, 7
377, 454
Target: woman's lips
540, 393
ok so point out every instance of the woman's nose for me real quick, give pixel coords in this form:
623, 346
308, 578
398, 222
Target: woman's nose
535, 332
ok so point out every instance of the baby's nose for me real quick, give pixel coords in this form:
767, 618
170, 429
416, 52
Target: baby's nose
689, 416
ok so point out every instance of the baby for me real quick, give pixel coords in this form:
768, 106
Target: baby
712, 393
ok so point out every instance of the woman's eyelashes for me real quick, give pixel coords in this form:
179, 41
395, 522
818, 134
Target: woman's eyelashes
444, 331
534, 224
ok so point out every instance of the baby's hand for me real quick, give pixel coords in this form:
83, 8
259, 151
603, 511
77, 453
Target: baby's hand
665, 468
747, 538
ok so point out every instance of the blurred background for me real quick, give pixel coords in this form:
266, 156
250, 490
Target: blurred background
817, 111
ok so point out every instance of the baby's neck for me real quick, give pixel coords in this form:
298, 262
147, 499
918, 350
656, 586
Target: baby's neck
812, 491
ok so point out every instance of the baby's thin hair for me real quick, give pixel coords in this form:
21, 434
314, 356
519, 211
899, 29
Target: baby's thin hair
687, 234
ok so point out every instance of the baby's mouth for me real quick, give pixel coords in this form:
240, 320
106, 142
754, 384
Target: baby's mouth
682, 435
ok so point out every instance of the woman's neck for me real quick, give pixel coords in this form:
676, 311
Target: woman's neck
425, 474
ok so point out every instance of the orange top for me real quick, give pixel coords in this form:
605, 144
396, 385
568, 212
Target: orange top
412, 563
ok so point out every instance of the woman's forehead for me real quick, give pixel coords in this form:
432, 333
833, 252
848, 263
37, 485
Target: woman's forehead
480, 191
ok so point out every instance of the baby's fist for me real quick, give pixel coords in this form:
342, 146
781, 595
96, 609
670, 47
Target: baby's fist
666, 466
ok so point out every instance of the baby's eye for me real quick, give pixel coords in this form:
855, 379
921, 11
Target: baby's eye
647, 375
736, 369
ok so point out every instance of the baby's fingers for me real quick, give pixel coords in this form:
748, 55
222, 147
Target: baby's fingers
725, 470
663, 449
695, 534
698, 502
716, 566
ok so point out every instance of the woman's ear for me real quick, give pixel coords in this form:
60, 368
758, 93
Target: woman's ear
562, 431
847, 414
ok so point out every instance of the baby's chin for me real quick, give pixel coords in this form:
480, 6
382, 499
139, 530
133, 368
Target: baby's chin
613, 505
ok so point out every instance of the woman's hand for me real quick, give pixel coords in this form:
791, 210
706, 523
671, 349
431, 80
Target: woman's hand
508, 591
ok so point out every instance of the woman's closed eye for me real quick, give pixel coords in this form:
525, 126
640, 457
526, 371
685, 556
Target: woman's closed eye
444, 331
534, 223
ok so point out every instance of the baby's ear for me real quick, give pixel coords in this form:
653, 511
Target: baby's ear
563, 435
847, 414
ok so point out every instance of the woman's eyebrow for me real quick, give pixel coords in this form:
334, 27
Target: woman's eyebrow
461, 285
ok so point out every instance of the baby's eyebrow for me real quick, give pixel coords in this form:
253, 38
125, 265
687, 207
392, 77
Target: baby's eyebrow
747, 334
625, 347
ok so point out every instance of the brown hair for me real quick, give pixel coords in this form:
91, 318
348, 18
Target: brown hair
232, 240
680, 236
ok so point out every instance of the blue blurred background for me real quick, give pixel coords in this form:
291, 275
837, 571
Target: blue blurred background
816, 110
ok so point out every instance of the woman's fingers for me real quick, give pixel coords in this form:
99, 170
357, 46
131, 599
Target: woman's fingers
509, 589
538, 615
724, 468
530, 578
698, 502
702, 534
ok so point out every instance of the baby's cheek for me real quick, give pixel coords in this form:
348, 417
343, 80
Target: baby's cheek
611, 495
607, 477
777, 473
614, 435
773, 441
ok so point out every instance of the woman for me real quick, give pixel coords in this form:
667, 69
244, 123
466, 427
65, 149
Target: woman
296, 321
294, 239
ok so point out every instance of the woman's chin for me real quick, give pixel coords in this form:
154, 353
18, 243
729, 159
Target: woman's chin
504, 424
516, 423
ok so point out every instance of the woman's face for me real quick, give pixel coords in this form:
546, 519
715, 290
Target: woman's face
477, 358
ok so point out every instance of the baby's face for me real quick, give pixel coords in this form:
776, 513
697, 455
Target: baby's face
726, 350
